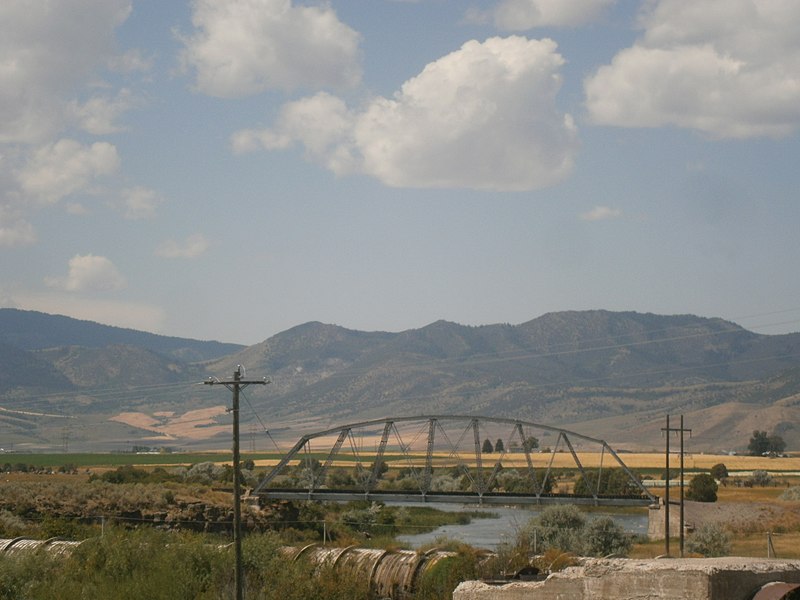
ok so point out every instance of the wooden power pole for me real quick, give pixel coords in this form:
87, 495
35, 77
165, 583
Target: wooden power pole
667, 430
235, 385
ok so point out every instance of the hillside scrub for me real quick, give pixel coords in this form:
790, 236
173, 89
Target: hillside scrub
169, 505
791, 495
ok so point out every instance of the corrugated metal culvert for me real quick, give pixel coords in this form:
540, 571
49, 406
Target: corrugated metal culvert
54, 546
391, 573
777, 590
394, 574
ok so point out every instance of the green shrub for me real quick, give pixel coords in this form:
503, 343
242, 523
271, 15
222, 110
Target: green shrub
702, 488
603, 536
613, 482
761, 478
792, 494
439, 581
719, 471
709, 540
558, 527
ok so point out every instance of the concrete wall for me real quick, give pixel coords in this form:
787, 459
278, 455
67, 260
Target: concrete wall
629, 579
657, 518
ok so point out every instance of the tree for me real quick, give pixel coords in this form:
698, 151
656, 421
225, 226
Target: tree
758, 443
702, 488
511, 480
672, 474
487, 446
613, 482
340, 478
530, 443
498, 446
776, 444
719, 471
761, 444
383, 468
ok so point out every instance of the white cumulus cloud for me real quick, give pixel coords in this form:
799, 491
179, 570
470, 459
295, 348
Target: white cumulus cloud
14, 230
192, 247
48, 49
98, 115
482, 117
243, 47
728, 68
520, 15
65, 167
601, 213
53, 56
140, 202
89, 273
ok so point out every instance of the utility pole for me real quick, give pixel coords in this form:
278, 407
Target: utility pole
667, 431
235, 385
666, 493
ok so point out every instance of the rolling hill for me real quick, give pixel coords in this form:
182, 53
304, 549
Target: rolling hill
608, 374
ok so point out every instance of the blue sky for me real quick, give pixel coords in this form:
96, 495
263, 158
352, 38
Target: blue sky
229, 169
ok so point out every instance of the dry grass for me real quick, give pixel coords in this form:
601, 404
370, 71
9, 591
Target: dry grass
194, 424
786, 545
755, 545
651, 461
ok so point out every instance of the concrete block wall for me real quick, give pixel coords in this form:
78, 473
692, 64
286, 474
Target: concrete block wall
629, 579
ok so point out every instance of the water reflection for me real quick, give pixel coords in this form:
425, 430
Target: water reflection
488, 533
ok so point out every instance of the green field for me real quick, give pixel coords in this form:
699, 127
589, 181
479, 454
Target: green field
123, 458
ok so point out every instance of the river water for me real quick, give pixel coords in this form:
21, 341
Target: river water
489, 532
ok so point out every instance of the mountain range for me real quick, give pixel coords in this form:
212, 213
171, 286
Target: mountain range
613, 375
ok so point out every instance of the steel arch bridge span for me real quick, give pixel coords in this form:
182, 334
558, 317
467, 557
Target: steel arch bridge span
512, 471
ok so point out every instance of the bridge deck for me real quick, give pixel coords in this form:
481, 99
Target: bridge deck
390, 496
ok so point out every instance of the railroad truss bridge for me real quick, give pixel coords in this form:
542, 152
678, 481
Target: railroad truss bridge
476, 452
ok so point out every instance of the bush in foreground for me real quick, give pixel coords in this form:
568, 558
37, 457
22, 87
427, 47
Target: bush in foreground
157, 565
709, 540
565, 528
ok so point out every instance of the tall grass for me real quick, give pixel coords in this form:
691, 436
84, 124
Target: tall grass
157, 565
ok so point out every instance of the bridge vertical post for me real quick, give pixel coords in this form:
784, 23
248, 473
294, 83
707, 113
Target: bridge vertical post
550, 463
426, 480
531, 469
376, 468
579, 465
600, 470
320, 477
478, 459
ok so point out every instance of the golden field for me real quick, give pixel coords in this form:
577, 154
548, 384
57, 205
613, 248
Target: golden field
564, 460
